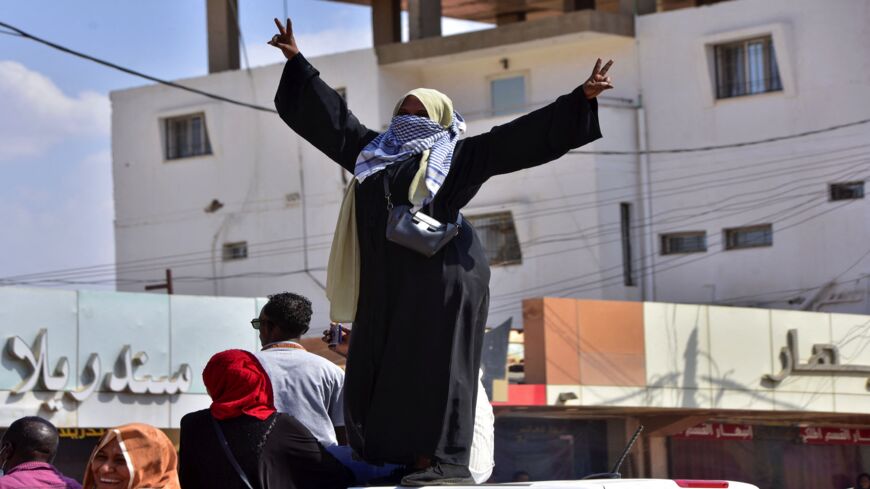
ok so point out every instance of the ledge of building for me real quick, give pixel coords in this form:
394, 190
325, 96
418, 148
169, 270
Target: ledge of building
581, 22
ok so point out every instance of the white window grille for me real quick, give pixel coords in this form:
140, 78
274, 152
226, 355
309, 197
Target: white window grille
235, 251
684, 242
749, 237
186, 136
498, 235
746, 68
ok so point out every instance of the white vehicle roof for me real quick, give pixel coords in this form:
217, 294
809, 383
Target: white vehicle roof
610, 483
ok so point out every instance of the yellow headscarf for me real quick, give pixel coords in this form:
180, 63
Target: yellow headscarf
342, 272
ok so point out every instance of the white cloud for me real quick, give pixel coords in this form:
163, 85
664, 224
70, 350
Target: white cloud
67, 227
36, 114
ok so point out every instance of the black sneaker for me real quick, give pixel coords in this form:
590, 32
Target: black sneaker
440, 474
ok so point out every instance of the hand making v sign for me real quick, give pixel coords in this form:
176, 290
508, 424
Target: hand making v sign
284, 39
599, 81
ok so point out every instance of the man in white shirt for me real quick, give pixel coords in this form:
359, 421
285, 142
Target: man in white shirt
306, 386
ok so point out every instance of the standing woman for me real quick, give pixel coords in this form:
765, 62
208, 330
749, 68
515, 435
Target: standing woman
418, 321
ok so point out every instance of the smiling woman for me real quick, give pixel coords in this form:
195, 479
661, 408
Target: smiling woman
133, 456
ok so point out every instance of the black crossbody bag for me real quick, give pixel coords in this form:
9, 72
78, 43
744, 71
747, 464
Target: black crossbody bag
416, 230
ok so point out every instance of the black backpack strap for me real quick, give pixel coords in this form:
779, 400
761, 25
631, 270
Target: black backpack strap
229, 453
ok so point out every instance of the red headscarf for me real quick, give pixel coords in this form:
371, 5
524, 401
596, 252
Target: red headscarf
238, 385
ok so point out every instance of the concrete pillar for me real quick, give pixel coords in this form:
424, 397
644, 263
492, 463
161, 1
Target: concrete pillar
386, 21
424, 19
657, 465
223, 35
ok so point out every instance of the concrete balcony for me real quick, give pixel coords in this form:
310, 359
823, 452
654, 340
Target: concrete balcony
583, 24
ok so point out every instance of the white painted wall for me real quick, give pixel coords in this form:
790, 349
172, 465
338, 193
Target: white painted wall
822, 53
567, 212
257, 160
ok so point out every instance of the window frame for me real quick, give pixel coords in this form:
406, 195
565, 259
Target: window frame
782, 34
832, 186
509, 219
169, 136
524, 74
772, 80
226, 249
665, 248
727, 233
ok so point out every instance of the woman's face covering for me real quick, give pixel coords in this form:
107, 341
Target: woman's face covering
109, 467
412, 106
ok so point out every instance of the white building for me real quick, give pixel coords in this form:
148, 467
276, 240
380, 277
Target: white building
252, 209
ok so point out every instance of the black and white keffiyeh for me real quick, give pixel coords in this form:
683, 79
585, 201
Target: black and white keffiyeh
408, 136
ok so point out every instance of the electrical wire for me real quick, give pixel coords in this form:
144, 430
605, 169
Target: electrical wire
682, 260
133, 72
192, 259
273, 111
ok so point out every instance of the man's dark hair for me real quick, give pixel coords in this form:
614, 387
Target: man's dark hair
34, 439
290, 312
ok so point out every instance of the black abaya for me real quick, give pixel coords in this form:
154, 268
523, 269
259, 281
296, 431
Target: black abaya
411, 376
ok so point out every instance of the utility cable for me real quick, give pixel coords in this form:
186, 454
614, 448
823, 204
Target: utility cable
273, 111
133, 72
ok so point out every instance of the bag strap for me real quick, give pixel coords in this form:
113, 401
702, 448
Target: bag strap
388, 196
229, 453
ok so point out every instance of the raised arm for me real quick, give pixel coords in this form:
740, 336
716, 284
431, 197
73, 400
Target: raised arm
313, 109
537, 137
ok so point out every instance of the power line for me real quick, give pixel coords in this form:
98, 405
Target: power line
727, 146
136, 73
775, 218
273, 111
196, 258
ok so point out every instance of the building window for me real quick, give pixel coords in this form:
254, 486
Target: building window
749, 237
235, 251
186, 136
508, 95
685, 242
498, 235
746, 68
625, 229
847, 191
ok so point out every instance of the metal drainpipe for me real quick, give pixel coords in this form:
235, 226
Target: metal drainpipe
647, 258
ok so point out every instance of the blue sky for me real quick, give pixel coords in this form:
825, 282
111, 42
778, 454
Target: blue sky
55, 162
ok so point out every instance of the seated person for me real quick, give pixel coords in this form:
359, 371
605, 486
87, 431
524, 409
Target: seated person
482, 454
26, 452
270, 449
134, 456
306, 386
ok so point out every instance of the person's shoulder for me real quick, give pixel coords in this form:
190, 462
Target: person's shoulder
323, 363
70, 482
195, 417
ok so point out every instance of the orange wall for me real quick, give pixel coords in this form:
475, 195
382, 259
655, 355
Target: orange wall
585, 342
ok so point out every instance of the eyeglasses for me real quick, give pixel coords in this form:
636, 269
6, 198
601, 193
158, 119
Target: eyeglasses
255, 323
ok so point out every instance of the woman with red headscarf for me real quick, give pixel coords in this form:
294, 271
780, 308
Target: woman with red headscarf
241, 441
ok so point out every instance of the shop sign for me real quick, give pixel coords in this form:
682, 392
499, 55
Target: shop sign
820, 435
718, 431
80, 433
56, 379
825, 360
